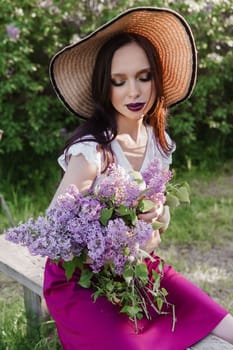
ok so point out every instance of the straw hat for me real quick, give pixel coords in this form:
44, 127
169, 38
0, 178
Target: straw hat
71, 69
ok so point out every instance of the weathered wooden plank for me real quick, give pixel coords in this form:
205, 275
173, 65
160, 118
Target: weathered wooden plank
211, 342
32, 303
17, 263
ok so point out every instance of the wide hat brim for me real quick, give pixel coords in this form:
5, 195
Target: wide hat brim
71, 68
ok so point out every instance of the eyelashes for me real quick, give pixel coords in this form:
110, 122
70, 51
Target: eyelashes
144, 77
116, 82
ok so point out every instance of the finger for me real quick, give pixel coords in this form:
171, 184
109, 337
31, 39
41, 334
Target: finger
151, 215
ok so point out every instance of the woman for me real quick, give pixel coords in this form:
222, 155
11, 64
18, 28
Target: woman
121, 79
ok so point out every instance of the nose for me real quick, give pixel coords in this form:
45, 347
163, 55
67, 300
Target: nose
133, 88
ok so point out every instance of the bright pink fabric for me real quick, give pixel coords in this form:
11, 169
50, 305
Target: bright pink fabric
85, 325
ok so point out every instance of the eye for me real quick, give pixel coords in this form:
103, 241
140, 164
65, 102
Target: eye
117, 82
147, 76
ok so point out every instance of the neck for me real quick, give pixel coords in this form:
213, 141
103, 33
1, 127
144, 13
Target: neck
133, 138
134, 130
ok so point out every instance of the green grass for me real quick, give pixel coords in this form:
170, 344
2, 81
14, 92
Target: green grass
198, 243
13, 330
209, 216
24, 202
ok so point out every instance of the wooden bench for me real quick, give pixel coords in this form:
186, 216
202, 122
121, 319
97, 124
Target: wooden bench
17, 263
211, 342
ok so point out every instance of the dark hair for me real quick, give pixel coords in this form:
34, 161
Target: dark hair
102, 125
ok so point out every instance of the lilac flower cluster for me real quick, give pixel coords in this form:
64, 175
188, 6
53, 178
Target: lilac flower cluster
156, 177
118, 186
122, 242
73, 225
12, 31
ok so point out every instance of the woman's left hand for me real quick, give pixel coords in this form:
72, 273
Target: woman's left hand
164, 218
153, 214
150, 217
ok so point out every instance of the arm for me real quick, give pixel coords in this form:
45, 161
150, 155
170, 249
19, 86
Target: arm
80, 173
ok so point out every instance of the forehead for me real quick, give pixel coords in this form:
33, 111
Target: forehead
130, 57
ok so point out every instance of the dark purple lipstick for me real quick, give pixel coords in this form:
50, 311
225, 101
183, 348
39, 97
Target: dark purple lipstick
135, 107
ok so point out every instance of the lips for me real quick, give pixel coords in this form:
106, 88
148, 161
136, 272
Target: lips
135, 107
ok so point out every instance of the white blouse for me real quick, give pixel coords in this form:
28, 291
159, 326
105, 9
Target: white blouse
89, 150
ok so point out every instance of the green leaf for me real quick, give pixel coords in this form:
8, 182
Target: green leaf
183, 194
128, 272
81, 260
105, 215
127, 214
123, 210
164, 292
85, 278
133, 216
131, 311
109, 286
97, 294
70, 266
141, 271
159, 302
145, 205
157, 225
157, 278
172, 201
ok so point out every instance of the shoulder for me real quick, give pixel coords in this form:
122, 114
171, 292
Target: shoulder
157, 151
88, 149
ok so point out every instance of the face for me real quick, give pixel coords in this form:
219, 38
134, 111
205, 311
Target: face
132, 85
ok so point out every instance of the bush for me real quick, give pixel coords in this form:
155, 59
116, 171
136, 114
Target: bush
31, 116
202, 126
34, 121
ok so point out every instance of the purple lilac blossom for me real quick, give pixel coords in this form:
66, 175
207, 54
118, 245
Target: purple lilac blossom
12, 31
90, 208
156, 177
117, 239
96, 245
118, 186
72, 224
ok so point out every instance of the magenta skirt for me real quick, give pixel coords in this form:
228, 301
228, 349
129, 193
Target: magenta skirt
86, 325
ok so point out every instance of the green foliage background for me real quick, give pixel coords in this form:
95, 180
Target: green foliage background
35, 122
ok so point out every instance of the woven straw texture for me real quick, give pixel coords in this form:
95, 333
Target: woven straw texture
71, 69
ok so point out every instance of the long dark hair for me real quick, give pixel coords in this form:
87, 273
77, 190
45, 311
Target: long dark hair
102, 126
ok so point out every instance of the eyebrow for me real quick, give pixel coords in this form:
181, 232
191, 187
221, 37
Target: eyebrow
144, 70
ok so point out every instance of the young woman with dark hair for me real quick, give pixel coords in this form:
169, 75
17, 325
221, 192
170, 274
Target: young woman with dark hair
122, 79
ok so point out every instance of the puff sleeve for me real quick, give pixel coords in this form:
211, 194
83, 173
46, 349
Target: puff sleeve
87, 148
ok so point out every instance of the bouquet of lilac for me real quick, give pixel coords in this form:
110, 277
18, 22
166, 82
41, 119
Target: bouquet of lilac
99, 233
